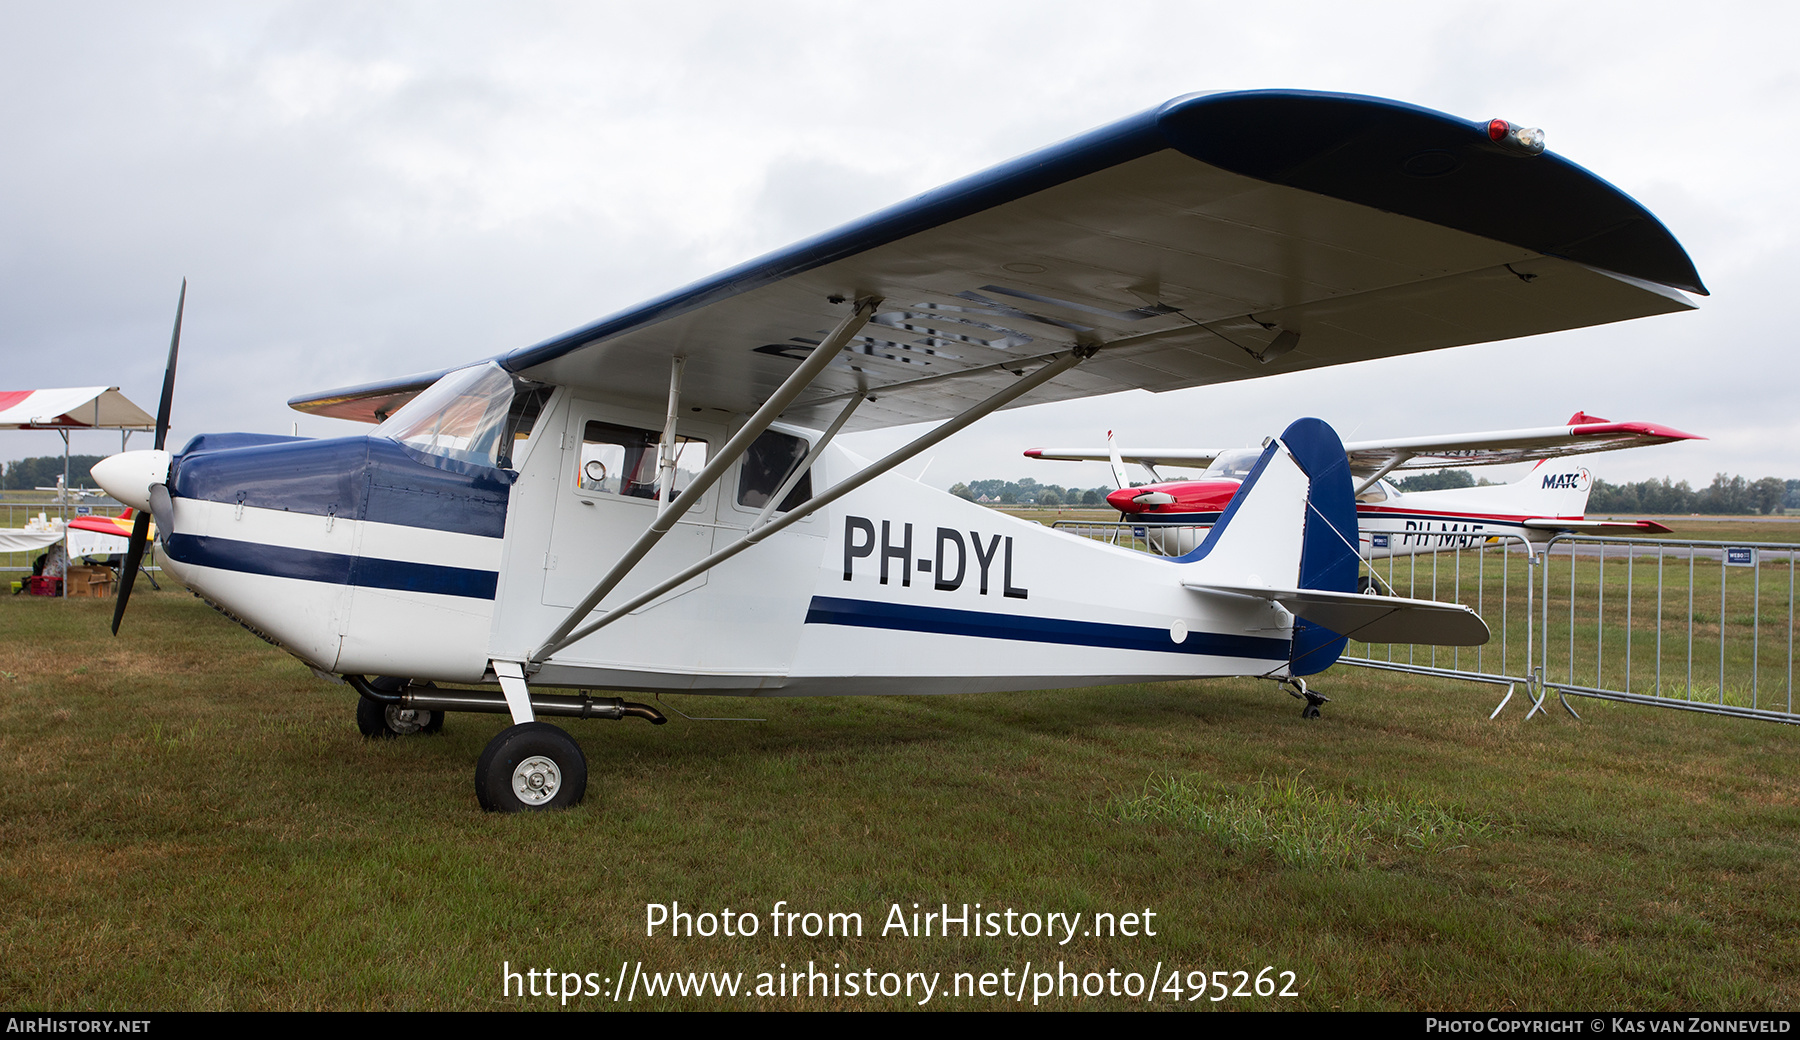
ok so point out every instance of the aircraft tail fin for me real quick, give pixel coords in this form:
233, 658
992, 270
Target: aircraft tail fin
1289, 536
1330, 557
1291, 527
1554, 488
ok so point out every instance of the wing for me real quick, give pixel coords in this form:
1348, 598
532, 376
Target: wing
1187, 457
1213, 238
370, 402
1499, 447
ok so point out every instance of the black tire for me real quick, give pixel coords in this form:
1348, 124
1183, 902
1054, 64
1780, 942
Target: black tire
531, 767
386, 721
1369, 587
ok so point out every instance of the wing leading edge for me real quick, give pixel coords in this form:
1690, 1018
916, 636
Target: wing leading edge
1214, 238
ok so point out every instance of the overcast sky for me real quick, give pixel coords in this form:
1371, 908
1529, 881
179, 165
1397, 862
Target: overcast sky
358, 191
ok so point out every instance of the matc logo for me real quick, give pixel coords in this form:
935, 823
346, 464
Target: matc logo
1576, 481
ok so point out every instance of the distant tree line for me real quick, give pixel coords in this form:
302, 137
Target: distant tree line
1726, 495
26, 474
1028, 492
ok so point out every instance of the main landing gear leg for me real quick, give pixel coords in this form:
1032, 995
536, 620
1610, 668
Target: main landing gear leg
531, 766
1296, 688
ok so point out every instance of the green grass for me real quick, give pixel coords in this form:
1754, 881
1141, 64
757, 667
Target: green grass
189, 819
1300, 825
1727, 528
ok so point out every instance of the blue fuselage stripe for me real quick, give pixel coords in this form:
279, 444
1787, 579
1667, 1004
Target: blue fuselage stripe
856, 613
330, 568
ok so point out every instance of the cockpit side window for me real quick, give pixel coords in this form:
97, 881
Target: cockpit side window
771, 458
521, 419
1235, 464
623, 460
1377, 492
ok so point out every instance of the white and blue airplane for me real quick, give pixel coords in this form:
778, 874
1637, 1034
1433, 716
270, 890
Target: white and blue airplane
654, 501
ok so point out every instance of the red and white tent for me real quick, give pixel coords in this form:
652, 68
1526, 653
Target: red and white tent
71, 408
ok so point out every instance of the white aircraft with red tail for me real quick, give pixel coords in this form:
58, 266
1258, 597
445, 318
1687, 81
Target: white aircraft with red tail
1552, 498
655, 501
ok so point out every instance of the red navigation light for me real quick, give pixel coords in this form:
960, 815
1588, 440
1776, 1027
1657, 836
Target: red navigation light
1528, 140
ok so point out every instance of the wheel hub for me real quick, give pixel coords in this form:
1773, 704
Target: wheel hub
405, 721
536, 780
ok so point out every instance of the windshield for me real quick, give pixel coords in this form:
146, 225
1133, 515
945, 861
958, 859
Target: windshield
1234, 464
474, 414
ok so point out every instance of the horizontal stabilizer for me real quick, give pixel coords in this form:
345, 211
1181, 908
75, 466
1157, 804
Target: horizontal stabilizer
1599, 526
1371, 619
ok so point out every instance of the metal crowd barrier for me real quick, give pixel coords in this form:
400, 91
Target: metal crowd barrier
1704, 626
1697, 625
1157, 539
1493, 577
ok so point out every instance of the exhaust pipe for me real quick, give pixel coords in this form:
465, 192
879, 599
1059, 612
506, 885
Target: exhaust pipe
431, 698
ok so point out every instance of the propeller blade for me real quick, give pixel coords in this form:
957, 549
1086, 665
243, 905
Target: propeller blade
168, 388
134, 555
140, 527
1118, 465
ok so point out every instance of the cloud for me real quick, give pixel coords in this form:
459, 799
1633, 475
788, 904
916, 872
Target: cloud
361, 191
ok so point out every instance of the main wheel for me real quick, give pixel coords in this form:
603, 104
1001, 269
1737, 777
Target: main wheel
531, 767
386, 721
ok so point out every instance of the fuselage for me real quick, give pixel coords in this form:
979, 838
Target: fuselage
379, 555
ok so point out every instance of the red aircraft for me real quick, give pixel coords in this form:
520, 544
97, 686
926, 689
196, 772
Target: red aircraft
1551, 498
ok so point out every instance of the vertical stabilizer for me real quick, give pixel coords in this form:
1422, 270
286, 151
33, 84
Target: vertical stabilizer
1555, 488
1291, 525
1329, 559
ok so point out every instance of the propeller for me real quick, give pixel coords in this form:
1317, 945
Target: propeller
140, 527
1118, 468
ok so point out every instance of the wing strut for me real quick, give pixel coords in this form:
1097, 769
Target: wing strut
717, 466
1056, 366
1383, 470
667, 450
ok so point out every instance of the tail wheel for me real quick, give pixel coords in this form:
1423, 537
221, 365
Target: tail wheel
386, 721
531, 767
